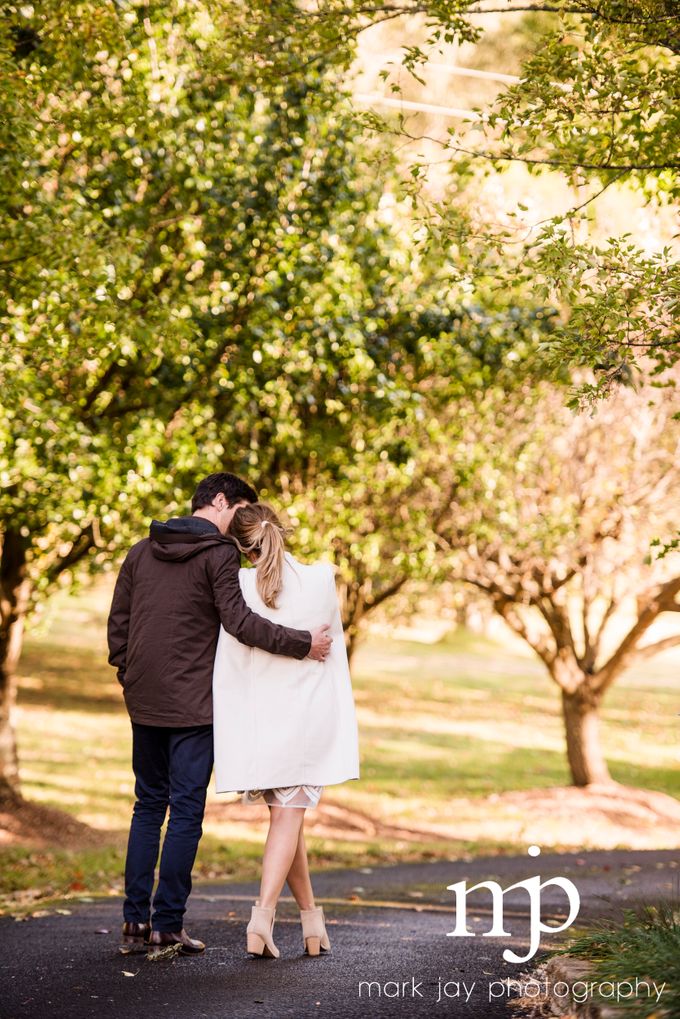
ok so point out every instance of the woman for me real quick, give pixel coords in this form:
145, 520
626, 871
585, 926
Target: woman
283, 728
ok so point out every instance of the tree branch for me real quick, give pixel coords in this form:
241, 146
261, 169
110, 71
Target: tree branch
564, 164
507, 612
606, 616
557, 619
80, 546
660, 645
372, 602
661, 600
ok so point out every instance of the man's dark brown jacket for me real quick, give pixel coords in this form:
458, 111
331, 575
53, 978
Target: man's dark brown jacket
173, 591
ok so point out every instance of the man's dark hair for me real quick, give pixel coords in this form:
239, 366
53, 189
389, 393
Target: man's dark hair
232, 488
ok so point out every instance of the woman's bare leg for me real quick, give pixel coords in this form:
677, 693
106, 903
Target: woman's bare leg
298, 877
285, 825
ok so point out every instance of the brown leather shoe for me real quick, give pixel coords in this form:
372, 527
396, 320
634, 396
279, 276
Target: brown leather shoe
164, 944
134, 938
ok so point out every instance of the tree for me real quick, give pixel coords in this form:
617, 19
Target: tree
197, 268
555, 530
375, 504
596, 102
199, 273
188, 269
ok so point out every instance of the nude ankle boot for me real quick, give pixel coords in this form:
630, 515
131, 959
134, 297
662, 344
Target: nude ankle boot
314, 931
259, 933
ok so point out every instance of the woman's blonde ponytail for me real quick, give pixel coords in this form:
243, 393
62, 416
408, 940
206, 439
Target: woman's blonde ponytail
256, 528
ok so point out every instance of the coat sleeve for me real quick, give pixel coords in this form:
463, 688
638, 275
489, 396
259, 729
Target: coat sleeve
119, 620
244, 624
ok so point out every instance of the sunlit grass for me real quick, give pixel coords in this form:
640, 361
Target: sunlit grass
442, 727
468, 717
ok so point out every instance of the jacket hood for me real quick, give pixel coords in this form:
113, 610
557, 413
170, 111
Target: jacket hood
180, 538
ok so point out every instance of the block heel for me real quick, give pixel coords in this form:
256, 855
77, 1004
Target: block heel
259, 940
314, 933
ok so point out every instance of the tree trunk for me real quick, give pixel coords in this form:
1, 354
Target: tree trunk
582, 730
352, 609
13, 603
351, 636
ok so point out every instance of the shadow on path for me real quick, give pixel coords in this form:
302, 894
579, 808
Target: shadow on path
391, 957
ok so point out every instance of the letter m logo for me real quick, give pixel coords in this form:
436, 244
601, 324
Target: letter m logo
534, 887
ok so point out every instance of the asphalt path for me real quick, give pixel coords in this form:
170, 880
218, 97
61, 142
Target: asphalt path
391, 957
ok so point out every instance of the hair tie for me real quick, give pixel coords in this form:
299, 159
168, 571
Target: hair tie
263, 523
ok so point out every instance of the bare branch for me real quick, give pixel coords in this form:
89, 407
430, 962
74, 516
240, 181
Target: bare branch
589, 649
606, 616
507, 611
374, 600
535, 161
80, 546
505, 157
557, 619
658, 601
660, 645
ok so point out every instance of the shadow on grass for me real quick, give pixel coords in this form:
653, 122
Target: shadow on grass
448, 765
442, 766
663, 780
78, 679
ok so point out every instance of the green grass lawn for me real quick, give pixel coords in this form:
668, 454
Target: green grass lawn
442, 726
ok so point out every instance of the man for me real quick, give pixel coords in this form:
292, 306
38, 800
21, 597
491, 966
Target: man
173, 591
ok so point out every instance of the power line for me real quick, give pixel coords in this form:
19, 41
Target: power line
470, 72
464, 72
406, 104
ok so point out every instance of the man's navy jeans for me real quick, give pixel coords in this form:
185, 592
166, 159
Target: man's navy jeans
172, 769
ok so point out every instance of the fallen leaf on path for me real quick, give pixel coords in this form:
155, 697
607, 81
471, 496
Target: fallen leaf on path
126, 973
169, 952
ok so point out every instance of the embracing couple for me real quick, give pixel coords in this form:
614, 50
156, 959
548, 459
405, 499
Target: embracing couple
245, 669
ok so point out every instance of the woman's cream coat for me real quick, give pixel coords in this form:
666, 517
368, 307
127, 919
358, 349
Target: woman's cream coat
279, 721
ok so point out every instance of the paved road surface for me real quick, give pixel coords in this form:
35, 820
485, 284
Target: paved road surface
388, 927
